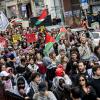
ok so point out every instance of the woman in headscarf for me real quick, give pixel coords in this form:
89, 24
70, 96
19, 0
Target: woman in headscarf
21, 89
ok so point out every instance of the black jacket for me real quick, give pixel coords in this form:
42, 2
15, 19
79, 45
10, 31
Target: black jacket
90, 96
96, 85
62, 94
31, 93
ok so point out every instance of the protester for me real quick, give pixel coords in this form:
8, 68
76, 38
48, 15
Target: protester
84, 50
97, 52
75, 93
62, 90
43, 93
87, 91
35, 81
96, 80
65, 68
61, 74
21, 88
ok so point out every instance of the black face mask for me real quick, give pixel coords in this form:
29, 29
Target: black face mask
61, 83
21, 86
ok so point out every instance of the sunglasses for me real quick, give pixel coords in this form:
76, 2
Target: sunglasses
82, 80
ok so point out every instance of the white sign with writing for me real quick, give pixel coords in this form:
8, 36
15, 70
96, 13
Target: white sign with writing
3, 21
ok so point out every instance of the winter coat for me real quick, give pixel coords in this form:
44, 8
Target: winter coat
62, 93
96, 85
50, 96
56, 81
33, 89
90, 96
26, 89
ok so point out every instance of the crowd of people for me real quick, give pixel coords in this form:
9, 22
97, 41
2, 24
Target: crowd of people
71, 71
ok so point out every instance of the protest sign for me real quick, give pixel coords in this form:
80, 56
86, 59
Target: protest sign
31, 38
3, 21
16, 38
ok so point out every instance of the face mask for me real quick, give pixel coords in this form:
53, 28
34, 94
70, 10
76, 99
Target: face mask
21, 87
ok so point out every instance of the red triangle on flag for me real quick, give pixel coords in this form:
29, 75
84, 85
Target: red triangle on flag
3, 41
31, 38
43, 14
49, 38
63, 29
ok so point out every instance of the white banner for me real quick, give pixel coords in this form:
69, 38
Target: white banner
3, 21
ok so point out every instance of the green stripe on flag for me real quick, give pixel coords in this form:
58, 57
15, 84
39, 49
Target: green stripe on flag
58, 36
38, 22
47, 48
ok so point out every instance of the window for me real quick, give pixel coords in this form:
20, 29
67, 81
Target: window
39, 2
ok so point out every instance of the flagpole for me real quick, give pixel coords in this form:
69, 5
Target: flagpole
1, 25
55, 8
62, 12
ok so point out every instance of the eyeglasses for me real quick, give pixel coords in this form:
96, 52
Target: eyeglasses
82, 80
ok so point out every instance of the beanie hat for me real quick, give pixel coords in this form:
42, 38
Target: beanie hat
59, 72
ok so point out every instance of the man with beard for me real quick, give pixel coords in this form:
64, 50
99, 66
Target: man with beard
84, 50
96, 80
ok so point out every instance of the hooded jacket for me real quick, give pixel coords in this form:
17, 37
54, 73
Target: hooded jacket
57, 78
50, 96
26, 89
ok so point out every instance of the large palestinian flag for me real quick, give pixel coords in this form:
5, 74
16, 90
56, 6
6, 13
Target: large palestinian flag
42, 17
49, 41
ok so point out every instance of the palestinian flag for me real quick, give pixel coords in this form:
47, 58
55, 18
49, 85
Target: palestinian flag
42, 17
62, 32
31, 38
49, 40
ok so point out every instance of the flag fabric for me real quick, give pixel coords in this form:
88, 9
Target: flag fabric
3, 42
16, 21
48, 47
63, 29
58, 37
42, 17
31, 38
3, 21
16, 38
62, 32
49, 38
42, 28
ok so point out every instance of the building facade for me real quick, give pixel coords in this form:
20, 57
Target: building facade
18, 8
3, 6
69, 11
73, 10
